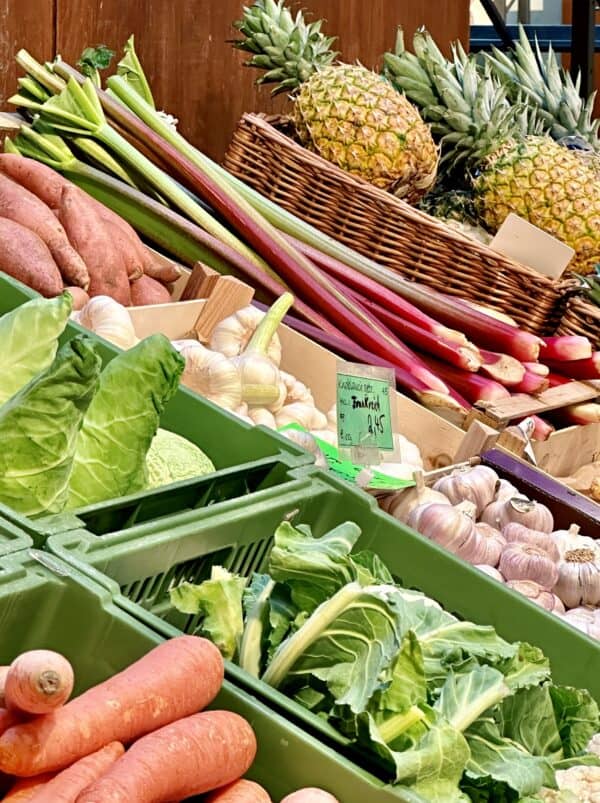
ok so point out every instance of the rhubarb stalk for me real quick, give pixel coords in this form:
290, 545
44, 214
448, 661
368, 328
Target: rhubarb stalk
566, 347
531, 384
503, 368
473, 387
584, 369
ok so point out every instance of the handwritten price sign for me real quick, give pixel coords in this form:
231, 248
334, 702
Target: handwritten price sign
363, 409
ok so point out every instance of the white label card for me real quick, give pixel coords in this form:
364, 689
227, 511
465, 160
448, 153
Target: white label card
525, 243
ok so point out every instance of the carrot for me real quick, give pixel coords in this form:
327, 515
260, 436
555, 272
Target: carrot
26, 258
310, 795
80, 297
8, 719
23, 207
41, 180
66, 786
188, 757
174, 680
26, 788
38, 681
148, 291
108, 276
241, 791
3, 674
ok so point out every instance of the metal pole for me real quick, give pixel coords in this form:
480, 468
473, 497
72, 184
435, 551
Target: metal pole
583, 43
524, 12
498, 22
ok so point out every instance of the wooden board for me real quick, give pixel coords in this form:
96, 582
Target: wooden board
198, 76
520, 405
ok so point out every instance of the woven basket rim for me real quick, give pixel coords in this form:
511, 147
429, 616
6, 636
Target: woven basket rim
582, 307
266, 124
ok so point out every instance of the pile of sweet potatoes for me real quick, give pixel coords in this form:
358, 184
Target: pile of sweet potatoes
135, 737
54, 236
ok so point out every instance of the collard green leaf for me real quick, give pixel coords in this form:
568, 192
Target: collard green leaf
122, 420
404, 683
577, 717
505, 761
370, 569
346, 643
256, 602
39, 428
464, 698
219, 602
29, 340
528, 718
529, 667
313, 568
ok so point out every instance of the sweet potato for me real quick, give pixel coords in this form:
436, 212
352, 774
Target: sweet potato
26, 788
26, 258
134, 264
108, 276
241, 791
174, 680
148, 291
38, 681
310, 795
23, 207
188, 757
8, 719
80, 297
67, 785
41, 180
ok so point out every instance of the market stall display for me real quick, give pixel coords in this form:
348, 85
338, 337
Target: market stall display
214, 586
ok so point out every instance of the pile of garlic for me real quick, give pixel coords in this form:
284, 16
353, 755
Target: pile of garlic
487, 522
240, 370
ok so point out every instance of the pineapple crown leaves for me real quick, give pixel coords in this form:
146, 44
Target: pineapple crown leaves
286, 47
546, 85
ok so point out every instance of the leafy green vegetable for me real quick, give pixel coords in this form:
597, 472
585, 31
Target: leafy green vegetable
219, 602
172, 458
39, 427
29, 340
94, 59
577, 717
257, 599
464, 698
529, 667
122, 420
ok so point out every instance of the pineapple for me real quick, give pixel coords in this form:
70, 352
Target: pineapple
456, 209
347, 114
489, 139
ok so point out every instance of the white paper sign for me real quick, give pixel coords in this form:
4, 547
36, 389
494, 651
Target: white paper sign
525, 243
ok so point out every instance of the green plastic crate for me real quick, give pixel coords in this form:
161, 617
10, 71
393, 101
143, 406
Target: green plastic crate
12, 538
45, 604
228, 441
144, 565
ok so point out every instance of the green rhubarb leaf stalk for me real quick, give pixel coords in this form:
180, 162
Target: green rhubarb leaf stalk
131, 70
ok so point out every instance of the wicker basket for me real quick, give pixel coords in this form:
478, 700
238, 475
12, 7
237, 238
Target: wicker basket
385, 228
581, 318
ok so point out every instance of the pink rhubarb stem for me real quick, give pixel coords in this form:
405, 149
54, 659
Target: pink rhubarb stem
502, 367
473, 387
566, 347
531, 384
585, 369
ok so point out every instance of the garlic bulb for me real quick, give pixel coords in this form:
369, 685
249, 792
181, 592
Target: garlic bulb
448, 527
490, 571
262, 417
525, 535
109, 319
586, 619
528, 562
571, 539
505, 490
410, 453
578, 581
306, 441
306, 415
210, 374
325, 435
536, 593
296, 391
400, 504
276, 406
478, 485
492, 544
521, 510
231, 336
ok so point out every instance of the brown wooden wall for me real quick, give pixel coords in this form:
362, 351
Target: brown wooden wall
567, 7
194, 73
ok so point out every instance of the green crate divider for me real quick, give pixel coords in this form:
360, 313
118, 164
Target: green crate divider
144, 567
46, 604
228, 441
12, 538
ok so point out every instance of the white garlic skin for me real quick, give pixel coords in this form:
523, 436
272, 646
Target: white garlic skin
520, 510
477, 485
586, 619
528, 562
536, 593
515, 532
490, 546
490, 571
447, 526
578, 581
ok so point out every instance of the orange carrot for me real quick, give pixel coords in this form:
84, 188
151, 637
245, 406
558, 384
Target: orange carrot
26, 258
8, 719
108, 276
188, 757
38, 681
3, 673
148, 291
241, 791
26, 788
310, 795
41, 180
66, 786
23, 207
174, 680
